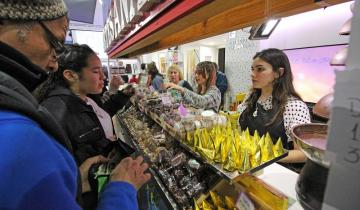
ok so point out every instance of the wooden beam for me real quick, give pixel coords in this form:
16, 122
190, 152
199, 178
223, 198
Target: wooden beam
196, 16
240, 16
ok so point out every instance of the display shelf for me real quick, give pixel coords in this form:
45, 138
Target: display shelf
162, 182
123, 130
216, 167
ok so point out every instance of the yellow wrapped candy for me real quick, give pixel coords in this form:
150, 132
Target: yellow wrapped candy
230, 163
246, 162
190, 138
216, 199
267, 150
278, 148
247, 134
196, 138
261, 142
217, 144
209, 142
255, 159
237, 140
220, 208
202, 139
256, 137
207, 206
206, 153
196, 206
229, 202
225, 147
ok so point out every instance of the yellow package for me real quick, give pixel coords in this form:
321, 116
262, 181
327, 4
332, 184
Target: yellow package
256, 136
229, 202
196, 206
230, 163
216, 199
255, 159
278, 148
246, 162
247, 134
202, 139
190, 138
225, 147
267, 150
261, 142
217, 145
206, 153
237, 140
196, 138
207, 206
210, 144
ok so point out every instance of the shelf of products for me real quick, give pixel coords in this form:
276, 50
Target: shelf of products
187, 155
164, 115
182, 175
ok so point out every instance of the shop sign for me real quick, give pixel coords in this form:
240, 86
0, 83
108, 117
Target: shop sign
123, 16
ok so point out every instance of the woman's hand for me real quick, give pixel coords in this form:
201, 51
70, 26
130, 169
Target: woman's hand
115, 83
171, 85
84, 170
131, 171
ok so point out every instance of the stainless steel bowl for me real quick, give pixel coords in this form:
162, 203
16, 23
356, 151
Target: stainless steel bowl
312, 140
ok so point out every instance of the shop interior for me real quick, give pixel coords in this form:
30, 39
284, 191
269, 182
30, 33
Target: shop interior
186, 172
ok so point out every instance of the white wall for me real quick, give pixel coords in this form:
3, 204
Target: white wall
314, 28
208, 52
91, 38
239, 51
186, 50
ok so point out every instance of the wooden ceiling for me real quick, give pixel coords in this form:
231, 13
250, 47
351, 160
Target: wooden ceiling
218, 17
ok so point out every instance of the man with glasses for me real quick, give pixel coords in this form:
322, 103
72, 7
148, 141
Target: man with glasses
36, 166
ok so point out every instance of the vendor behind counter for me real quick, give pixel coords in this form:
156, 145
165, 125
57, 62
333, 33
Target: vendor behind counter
273, 105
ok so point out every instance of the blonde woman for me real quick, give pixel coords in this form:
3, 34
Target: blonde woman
175, 76
208, 96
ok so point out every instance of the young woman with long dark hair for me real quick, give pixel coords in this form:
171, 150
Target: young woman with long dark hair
273, 105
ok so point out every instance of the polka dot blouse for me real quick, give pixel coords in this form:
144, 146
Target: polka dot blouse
296, 112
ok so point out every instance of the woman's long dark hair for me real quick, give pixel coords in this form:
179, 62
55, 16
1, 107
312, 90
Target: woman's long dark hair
282, 86
74, 58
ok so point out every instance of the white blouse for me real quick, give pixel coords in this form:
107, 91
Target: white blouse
104, 118
296, 112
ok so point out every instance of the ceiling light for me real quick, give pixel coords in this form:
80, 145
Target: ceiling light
263, 31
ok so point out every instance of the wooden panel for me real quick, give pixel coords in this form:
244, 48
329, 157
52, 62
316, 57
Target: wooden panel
196, 16
242, 15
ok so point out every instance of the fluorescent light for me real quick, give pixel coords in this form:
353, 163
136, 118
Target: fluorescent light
269, 27
101, 2
264, 30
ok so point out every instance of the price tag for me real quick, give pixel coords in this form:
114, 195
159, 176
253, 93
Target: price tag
244, 202
152, 89
166, 100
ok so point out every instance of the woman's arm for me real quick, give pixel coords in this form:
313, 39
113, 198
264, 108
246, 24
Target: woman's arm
210, 100
294, 156
296, 112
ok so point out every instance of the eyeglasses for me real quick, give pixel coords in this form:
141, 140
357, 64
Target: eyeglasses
58, 46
